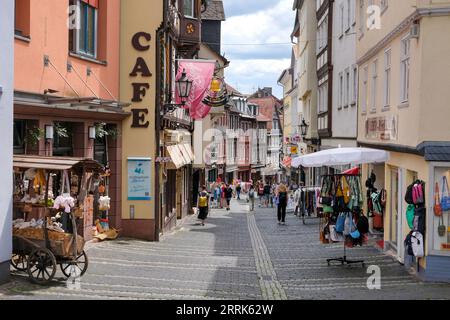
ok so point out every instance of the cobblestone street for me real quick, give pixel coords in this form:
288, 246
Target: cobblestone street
237, 255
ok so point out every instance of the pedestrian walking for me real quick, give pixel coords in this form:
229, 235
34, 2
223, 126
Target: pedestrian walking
238, 191
260, 193
282, 196
267, 193
229, 195
223, 196
251, 198
202, 205
217, 193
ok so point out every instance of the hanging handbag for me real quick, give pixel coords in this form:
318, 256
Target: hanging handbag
445, 198
437, 202
345, 190
441, 228
340, 223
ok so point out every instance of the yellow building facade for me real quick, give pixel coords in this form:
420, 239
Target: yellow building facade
140, 20
404, 76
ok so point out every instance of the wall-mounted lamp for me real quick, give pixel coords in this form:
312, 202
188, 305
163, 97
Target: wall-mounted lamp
92, 133
49, 132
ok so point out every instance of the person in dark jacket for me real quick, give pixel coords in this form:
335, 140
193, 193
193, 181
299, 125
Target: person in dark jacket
229, 195
282, 196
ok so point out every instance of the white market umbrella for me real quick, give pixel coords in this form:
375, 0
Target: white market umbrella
341, 156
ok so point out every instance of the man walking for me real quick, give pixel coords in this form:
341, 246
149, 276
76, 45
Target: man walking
267, 192
238, 191
282, 203
251, 198
229, 195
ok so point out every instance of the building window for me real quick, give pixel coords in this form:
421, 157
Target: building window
373, 103
364, 89
189, 8
342, 19
22, 18
19, 136
347, 88
404, 70
355, 85
387, 78
349, 16
84, 40
341, 89
362, 17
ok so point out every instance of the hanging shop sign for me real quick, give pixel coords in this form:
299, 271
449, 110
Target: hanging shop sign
382, 128
201, 73
139, 178
294, 150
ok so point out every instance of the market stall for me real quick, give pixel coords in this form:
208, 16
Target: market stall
54, 200
343, 219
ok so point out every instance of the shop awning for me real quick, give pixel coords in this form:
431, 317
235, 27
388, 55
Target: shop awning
176, 155
341, 156
55, 163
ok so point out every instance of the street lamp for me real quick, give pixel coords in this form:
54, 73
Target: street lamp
304, 128
49, 132
92, 133
184, 86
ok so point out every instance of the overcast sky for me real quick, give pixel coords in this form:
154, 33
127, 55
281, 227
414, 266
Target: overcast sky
257, 22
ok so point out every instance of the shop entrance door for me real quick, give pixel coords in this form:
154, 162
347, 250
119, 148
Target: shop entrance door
394, 209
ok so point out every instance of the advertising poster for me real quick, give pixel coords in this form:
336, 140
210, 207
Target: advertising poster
139, 175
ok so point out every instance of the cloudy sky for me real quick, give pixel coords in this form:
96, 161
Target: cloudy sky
251, 22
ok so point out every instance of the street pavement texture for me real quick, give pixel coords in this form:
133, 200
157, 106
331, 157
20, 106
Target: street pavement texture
237, 256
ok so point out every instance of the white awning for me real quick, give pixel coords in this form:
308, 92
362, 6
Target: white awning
176, 156
341, 156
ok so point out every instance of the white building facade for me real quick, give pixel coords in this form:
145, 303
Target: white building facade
345, 76
6, 133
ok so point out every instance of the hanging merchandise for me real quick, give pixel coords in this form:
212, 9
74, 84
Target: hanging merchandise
417, 244
442, 229
445, 197
417, 193
104, 203
340, 222
409, 194
410, 216
437, 202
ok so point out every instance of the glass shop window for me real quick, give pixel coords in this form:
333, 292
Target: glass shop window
19, 136
441, 225
63, 139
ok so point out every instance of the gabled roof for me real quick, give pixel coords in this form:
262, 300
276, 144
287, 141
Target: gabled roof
214, 11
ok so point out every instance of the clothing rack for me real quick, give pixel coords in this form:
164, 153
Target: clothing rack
343, 260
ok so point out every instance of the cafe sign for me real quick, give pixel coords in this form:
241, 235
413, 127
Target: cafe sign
382, 128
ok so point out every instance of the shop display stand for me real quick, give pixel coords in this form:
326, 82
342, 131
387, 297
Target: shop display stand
343, 260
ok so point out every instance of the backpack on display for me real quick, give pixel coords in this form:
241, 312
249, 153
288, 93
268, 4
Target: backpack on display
363, 224
410, 211
437, 202
417, 193
417, 244
408, 244
409, 194
349, 225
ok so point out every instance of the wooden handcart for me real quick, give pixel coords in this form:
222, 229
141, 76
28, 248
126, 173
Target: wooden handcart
39, 251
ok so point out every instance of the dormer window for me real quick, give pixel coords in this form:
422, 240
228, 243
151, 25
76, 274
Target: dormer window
189, 8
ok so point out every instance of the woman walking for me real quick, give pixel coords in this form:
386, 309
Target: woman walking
202, 205
282, 196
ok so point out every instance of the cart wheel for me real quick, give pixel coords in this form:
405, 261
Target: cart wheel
81, 264
41, 266
19, 262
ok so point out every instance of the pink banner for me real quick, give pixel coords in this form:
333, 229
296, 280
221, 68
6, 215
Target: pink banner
201, 73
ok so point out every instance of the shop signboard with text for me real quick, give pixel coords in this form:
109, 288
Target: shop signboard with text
382, 128
139, 178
